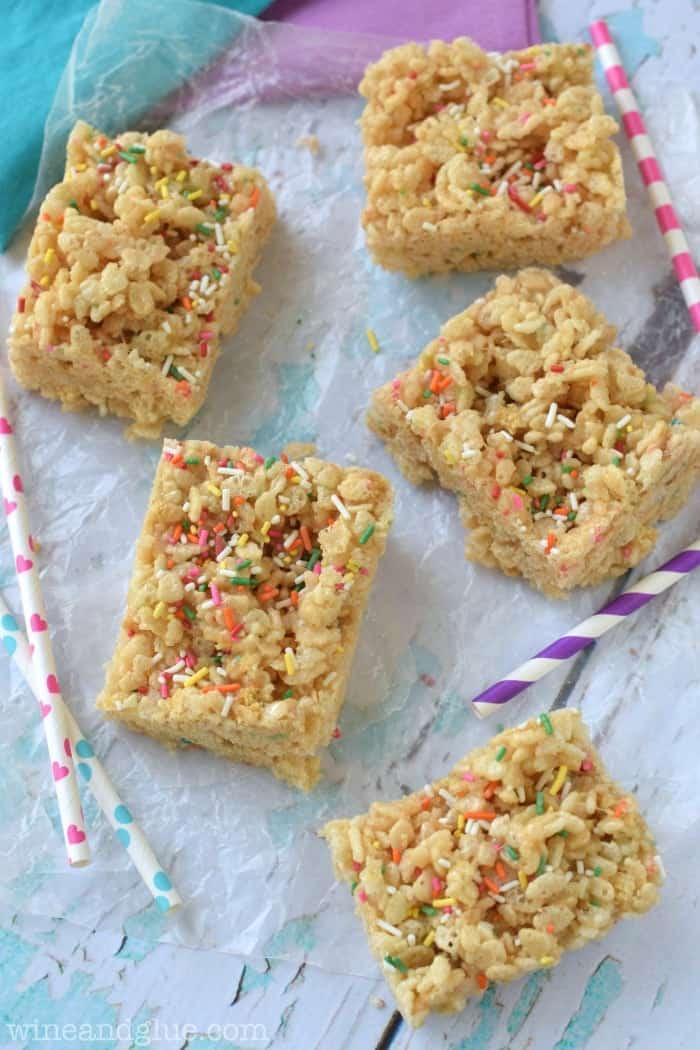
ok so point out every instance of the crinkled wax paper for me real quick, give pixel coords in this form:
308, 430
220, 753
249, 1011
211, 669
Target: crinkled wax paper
240, 846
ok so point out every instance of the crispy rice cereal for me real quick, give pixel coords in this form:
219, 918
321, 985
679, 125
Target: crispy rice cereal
141, 259
527, 849
482, 161
245, 604
562, 455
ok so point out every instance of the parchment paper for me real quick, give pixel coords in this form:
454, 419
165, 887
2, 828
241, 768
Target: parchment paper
240, 846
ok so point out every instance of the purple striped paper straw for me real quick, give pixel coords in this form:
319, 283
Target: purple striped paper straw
587, 632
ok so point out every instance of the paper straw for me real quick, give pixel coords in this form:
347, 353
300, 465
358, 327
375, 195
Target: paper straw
48, 690
588, 632
666, 217
93, 772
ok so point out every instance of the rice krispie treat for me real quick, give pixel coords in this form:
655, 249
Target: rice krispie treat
140, 261
249, 584
527, 849
479, 161
562, 455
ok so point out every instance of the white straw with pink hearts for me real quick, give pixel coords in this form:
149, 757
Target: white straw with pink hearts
49, 693
93, 772
635, 129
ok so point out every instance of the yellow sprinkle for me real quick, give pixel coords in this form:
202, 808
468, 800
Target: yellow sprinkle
295, 480
376, 844
429, 939
80, 167
197, 676
536, 200
194, 195
152, 216
265, 527
108, 151
214, 489
181, 175
153, 169
413, 913
500, 102
48, 255
546, 960
93, 204
290, 662
44, 281
443, 902
232, 247
353, 566
426, 202
242, 539
159, 610
159, 183
559, 780
460, 821
372, 340
522, 879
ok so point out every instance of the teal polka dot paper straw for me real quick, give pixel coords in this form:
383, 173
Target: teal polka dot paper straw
93, 773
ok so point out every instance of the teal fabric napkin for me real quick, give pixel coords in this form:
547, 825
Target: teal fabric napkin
35, 42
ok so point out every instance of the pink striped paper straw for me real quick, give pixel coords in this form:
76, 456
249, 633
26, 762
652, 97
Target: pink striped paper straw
50, 700
587, 632
635, 128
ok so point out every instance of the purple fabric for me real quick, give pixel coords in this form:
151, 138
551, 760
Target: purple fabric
565, 647
686, 561
497, 25
501, 692
626, 604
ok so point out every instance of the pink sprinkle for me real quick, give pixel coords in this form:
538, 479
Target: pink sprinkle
364, 571
258, 458
236, 631
222, 463
339, 568
395, 388
586, 765
193, 572
517, 501
497, 846
317, 568
164, 691
215, 594
362, 895
447, 909
218, 544
168, 456
523, 118
538, 165
203, 537
486, 135
439, 109
468, 776
626, 551
276, 533
495, 491
356, 865
570, 187
527, 65
206, 335
191, 660
437, 885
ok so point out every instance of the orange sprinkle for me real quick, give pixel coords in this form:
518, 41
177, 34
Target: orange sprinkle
284, 457
238, 501
183, 387
170, 563
177, 460
482, 980
500, 870
447, 409
231, 687
490, 788
396, 855
477, 814
186, 302
289, 472
492, 886
621, 808
551, 542
229, 618
425, 803
177, 532
305, 538
219, 527
549, 927
294, 599
435, 383
254, 197
265, 595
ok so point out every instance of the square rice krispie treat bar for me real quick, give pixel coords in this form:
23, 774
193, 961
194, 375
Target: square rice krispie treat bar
481, 161
562, 455
140, 261
250, 581
527, 849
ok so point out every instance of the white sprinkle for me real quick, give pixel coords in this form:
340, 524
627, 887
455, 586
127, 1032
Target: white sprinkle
188, 375
484, 825
181, 677
502, 188
220, 671
497, 898
391, 890
573, 500
551, 415
175, 668
411, 939
450, 799
290, 539
443, 862
660, 865
166, 327
469, 453
225, 499
402, 405
227, 705
208, 604
255, 571
166, 365
429, 790
623, 422
429, 227
299, 469
566, 421
475, 828
342, 509
509, 886
482, 389
524, 445
204, 284
504, 434
230, 472
219, 233
186, 505
520, 792
156, 658
183, 539
536, 179
388, 928
190, 586
222, 555
450, 87
579, 867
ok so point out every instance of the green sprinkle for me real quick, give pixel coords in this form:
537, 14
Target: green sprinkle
287, 694
366, 535
189, 613
567, 468
269, 461
512, 853
480, 189
597, 871
541, 866
464, 141
244, 564
220, 214
501, 753
242, 581
571, 516
73, 204
192, 461
594, 903
529, 164
563, 834
203, 587
206, 231
443, 360
427, 393
313, 558
174, 372
184, 740
539, 803
218, 659
544, 721
616, 461
216, 274
544, 500
428, 909
128, 158
527, 480
397, 963
136, 149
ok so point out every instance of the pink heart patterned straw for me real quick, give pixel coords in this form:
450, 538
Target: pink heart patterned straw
50, 700
666, 217
119, 816
587, 632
